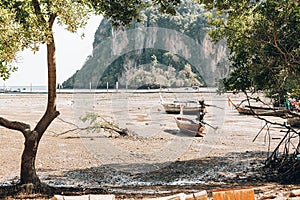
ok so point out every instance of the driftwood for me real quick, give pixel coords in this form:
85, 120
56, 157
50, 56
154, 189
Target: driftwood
96, 124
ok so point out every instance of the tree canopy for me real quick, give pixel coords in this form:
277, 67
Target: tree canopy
28, 24
264, 43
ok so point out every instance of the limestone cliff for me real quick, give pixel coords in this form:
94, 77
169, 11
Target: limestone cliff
167, 50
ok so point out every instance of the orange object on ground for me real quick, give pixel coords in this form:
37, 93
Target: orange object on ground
233, 194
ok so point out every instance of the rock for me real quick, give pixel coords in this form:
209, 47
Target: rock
84, 197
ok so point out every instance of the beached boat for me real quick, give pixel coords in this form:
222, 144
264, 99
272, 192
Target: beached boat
189, 126
293, 119
4, 90
259, 110
188, 107
263, 111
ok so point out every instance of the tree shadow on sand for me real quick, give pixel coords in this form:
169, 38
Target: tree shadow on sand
234, 168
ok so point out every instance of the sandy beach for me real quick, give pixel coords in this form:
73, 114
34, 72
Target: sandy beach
157, 158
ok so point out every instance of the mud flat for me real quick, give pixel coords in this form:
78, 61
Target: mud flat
158, 159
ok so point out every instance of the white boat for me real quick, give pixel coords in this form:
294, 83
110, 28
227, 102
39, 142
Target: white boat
189, 126
188, 107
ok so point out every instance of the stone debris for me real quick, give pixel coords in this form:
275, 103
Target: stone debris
221, 194
251, 193
232, 194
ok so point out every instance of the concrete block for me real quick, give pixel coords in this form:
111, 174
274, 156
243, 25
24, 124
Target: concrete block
180, 196
202, 195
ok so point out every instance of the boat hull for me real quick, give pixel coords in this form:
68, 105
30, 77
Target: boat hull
294, 122
189, 126
261, 111
172, 108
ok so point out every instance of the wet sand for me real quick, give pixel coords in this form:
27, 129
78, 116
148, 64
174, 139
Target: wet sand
157, 154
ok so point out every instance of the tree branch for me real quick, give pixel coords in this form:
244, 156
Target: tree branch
15, 125
281, 51
45, 121
70, 123
52, 19
38, 11
70, 131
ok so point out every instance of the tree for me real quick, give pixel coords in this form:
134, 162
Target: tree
264, 43
189, 77
28, 24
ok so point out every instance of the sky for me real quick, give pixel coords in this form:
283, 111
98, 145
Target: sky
71, 53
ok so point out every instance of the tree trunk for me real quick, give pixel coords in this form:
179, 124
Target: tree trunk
32, 139
28, 172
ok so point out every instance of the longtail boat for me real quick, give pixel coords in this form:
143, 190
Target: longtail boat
189, 126
259, 110
188, 107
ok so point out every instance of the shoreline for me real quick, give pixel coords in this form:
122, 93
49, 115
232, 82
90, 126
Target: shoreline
123, 90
